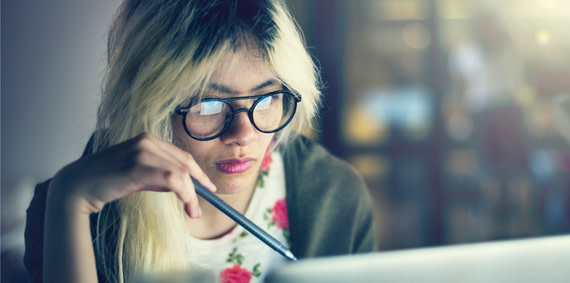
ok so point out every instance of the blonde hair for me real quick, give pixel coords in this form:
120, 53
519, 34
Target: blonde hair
161, 54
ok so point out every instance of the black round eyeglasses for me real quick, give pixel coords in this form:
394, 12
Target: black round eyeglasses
209, 118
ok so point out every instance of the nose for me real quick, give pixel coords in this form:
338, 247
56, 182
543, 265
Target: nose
241, 131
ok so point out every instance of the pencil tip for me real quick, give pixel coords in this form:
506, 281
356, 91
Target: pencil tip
290, 256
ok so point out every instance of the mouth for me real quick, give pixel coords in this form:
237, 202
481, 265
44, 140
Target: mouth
234, 166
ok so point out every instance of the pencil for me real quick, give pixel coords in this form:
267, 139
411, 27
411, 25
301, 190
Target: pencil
243, 221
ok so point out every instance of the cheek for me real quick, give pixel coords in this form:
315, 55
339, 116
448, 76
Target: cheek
180, 138
267, 141
202, 152
185, 142
177, 129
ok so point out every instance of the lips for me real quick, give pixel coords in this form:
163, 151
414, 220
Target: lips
233, 166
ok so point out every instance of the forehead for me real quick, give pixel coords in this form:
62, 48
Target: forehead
243, 72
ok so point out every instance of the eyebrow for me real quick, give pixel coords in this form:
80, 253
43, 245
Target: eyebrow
224, 89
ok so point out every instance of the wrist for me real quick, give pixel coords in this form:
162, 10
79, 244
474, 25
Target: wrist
63, 195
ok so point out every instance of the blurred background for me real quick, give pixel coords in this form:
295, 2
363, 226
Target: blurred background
53, 55
456, 112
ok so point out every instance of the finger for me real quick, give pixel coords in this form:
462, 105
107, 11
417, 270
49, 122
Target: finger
191, 208
187, 160
193, 213
184, 193
156, 172
167, 157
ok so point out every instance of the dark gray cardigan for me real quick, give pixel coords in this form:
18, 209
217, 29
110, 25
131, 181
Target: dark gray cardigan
330, 210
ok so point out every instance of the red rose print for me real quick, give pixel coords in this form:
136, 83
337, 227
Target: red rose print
279, 214
235, 274
266, 162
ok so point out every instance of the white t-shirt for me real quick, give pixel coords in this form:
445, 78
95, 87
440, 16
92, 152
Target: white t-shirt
239, 255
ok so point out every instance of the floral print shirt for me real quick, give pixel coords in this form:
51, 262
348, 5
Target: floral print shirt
239, 256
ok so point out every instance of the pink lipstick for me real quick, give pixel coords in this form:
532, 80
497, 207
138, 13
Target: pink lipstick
233, 166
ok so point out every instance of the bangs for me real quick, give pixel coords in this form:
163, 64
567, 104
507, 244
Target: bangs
220, 22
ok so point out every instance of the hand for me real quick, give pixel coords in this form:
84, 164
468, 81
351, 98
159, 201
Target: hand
143, 163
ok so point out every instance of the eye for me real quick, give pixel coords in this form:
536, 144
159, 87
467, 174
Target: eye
208, 107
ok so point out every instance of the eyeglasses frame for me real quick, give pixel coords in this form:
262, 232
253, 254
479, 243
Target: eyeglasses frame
183, 111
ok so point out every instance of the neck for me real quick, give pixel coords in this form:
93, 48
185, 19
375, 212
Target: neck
214, 223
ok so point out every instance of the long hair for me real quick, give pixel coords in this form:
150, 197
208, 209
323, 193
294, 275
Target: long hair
161, 53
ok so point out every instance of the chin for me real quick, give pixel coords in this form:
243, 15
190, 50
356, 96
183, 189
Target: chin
234, 184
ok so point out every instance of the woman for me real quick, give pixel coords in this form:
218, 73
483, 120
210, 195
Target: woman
217, 91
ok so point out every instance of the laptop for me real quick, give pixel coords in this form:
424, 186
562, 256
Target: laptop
544, 259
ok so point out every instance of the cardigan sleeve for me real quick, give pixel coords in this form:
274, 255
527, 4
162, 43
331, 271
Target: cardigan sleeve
330, 209
34, 233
